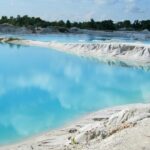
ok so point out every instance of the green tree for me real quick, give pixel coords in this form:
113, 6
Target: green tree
68, 24
127, 24
4, 19
92, 24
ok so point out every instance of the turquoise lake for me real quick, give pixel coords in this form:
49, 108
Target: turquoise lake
42, 89
80, 38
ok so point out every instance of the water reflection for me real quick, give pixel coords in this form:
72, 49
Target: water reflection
41, 89
18, 46
11, 45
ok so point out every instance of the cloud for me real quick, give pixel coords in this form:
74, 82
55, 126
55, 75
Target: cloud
136, 10
101, 2
78, 11
132, 6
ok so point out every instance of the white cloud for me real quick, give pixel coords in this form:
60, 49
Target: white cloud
132, 7
78, 11
105, 1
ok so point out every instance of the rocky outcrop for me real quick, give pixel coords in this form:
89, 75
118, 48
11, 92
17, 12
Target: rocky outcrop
10, 29
120, 128
133, 35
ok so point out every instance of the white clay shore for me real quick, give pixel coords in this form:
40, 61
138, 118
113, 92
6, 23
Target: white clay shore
131, 54
119, 128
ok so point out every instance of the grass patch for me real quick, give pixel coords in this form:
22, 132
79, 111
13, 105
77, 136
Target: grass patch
10, 39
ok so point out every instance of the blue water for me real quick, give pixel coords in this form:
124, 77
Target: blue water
80, 38
42, 89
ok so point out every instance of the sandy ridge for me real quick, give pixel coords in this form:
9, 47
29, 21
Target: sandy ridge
131, 54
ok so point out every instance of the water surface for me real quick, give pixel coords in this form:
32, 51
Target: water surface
82, 38
42, 89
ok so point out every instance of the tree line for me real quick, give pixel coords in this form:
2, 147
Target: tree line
92, 24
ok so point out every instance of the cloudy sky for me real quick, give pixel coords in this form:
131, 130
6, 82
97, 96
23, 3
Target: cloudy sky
78, 10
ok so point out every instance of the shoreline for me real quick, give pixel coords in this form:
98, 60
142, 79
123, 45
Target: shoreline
130, 54
97, 130
9, 28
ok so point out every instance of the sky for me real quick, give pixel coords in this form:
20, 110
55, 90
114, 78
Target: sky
78, 10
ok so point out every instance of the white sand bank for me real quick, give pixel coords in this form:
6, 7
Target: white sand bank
132, 54
119, 128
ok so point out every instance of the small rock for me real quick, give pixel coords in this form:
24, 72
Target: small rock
73, 130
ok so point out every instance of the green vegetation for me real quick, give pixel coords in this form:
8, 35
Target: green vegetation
73, 141
32, 22
10, 39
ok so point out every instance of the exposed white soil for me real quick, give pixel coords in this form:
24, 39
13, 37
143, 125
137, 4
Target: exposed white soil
131, 54
120, 128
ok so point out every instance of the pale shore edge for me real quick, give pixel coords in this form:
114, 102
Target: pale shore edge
114, 128
129, 54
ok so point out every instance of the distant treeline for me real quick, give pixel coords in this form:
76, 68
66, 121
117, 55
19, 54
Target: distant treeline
96, 25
